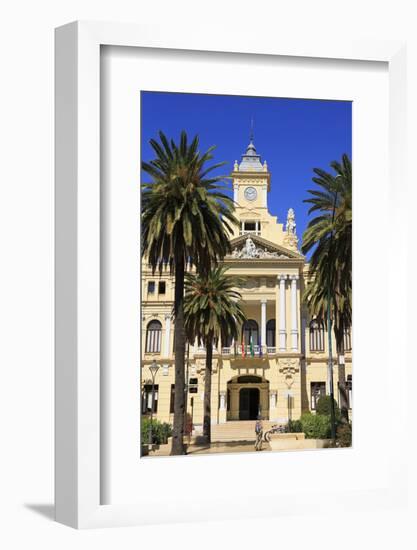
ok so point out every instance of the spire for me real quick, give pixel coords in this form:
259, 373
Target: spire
251, 161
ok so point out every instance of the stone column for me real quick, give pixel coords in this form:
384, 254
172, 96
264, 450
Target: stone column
235, 190
167, 335
264, 195
282, 315
277, 316
263, 323
294, 313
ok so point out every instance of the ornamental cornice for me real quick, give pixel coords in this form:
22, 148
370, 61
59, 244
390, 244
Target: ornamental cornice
249, 175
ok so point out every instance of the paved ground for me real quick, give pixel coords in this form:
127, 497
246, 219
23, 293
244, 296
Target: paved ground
216, 447
227, 447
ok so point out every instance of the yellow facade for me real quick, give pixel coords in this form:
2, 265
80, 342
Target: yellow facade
289, 366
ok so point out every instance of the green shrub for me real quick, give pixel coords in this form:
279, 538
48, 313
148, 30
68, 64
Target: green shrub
344, 435
160, 431
294, 426
316, 426
324, 404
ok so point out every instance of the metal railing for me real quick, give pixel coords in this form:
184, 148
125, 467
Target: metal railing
257, 350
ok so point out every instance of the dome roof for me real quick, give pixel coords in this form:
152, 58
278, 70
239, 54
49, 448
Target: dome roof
251, 161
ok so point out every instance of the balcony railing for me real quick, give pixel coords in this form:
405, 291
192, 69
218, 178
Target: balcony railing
250, 232
258, 351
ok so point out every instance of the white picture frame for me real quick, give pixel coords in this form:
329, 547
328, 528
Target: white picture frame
78, 411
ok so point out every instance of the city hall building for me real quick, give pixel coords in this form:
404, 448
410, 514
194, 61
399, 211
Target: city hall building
278, 368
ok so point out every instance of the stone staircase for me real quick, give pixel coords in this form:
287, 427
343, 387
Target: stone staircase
237, 430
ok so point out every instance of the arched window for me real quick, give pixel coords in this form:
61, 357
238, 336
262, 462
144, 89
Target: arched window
270, 333
316, 336
227, 343
347, 339
153, 337
250, 329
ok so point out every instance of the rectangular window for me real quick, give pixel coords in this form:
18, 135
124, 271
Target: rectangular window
151, 287
161, 287
193, 385
250, 226
148, 396
317, 390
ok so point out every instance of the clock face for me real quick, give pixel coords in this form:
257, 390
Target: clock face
250, 193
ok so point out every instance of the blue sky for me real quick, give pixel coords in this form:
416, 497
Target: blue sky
292, 135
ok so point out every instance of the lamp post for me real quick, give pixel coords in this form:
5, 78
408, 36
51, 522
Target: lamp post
154, 369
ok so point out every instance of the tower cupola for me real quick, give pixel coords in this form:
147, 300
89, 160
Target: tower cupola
251, 161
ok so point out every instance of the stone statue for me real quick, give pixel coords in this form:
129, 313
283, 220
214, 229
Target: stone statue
249, 250
291, 225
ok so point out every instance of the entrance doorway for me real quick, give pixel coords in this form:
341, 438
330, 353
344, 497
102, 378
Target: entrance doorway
247, 397
249, 404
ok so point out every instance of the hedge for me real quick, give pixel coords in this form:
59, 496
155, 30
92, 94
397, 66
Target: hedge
160, 431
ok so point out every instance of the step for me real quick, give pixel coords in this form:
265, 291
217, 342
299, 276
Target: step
237, 430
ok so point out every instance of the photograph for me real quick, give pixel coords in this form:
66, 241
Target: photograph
246, 274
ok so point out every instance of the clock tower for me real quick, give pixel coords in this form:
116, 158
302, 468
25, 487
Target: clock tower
251, 183
251, 180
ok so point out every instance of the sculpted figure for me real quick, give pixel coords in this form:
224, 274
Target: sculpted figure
291, 225
250, 248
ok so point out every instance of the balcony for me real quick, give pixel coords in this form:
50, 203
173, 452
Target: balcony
258, 351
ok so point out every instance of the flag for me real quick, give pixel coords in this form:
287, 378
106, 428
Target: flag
243, 345
251, 346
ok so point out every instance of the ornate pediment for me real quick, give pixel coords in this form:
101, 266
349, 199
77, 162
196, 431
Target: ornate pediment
254, 247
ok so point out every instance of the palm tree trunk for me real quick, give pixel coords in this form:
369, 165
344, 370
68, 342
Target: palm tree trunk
344, 401
207, 392
179, 333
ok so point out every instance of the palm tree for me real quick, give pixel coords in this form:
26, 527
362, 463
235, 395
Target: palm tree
186, 219
212, 311
330, 236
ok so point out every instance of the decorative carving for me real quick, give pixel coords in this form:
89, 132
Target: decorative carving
290, 238
250, 282
250, 250
200, 366
289, 367
291, 225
